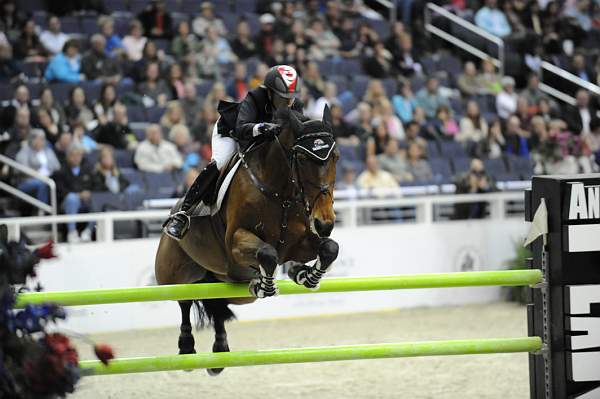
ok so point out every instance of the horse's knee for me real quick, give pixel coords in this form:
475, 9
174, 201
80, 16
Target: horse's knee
328, 251
267, 258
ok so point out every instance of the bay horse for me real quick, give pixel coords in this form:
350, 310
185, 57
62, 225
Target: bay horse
278, 210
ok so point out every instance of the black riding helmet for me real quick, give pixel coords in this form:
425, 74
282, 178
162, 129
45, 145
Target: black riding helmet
283, 80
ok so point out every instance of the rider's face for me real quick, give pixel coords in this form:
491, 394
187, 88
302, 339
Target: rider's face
281, 102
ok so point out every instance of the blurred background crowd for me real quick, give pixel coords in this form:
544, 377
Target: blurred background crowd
119, 96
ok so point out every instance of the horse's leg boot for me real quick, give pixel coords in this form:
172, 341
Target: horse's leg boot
308, 276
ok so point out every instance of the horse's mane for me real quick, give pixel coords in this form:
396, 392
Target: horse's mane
300, 124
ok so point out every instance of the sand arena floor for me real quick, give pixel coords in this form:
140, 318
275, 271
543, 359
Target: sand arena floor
478, 377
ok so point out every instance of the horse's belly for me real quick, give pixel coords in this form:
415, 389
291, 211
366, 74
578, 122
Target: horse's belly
202, 245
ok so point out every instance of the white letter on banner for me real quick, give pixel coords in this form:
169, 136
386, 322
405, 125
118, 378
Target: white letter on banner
577, 204
593, 202
584, 363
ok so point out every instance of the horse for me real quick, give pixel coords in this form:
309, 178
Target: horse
278, 211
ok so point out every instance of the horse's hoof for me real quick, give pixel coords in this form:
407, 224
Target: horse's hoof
258, 289
214, 372
299, 274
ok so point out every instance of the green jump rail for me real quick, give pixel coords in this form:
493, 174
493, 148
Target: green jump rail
306, 355
286, 287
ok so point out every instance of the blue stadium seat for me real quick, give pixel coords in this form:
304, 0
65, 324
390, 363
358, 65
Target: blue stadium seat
91, 158
202, 89
160, 185
34, 69
417, 83
91, 89
122, 26
70, 25
452, 149
89, 25
433, 149
137, 6
134, 176
105, 201
124, 158
441, 169
349, 67
382, 27
521, 166
495, 167
359, 85
390, 85
41, 19
61, 91
328, 68
6, 91
461, 165
341, 83
244, 6
154, 114
136, 113
115, 5
348, 102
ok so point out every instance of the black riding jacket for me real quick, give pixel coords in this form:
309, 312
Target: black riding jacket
255, 108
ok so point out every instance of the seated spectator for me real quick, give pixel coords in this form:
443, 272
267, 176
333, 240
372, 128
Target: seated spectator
173, 116
524, 112
243, 45
38, 156
326, 43
516, 138
489, 80
379, 64
157, 22
149, 54
469, 82
53, 39
108, 177
259, 75
185, 45
592, 140
206, 20
420, 119
216, 94
373, 177
539, 134
116, 132
418, 166
404, 102
443, 127
492, 146
11, 140
82, 139
378, 140
175, 81
65, 67
343, 132
492, 19
96, 65
406, 61
11, 19
313, 81
114, 46
104, 107
77, 109
65, 140
393, 160
298, 35
238, 86
385, 113
475, 180
55, 111
214, 54
154, 87
545, 109
329, 97
10, 71
29, 48
44, 122
375, 92
347, 35
429, 97
348, 181
189, 151
135, 41
506, 101
414, 134
364, 121
473, 126
74, 182
190, 103
582, 115
532, 92
579, 68
155, 154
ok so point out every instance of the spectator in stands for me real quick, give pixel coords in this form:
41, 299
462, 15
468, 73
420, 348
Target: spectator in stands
156, 20
420, 119
259, 75
10, 71
278, 55
414, 133
493, 144
468, 82
489, 80
329, 97
190, 103
45, 122
17, 133
443, 126
364, 121
475, 180
189, 150
348, 37
53, 39
539, 134
238, 85
96, 65
149, 54
524, 112
65, 140
516, 138
492, 19
21, 99
506, 100
393, 160
173, 116
404, 102
379, 64
348, 181
116, 131
326, 43
313, 81
592, 140
545, 109
38, 156
207, 19
374, 177
243, 45
429, 97
532, 92
135, 41
65, 67
154, 87
114, 46
55, 111
214, 54
175, 81
579, 68
418, 166
81, 137
266, 36
385, 112
188, 180
343, 132
375, 92
155, 154
378, 140
406, 60
185, 45
29, 47
11, 19
473, 126
107, 177
77, 109
104, 107
582, 115
73, 183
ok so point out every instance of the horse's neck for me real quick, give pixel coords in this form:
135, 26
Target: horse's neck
273, 167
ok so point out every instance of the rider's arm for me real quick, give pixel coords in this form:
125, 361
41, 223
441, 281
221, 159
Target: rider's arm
246, 125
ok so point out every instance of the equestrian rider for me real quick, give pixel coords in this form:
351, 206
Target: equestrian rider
247, 121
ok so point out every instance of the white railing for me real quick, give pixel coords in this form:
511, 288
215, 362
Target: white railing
433, 9
349, 212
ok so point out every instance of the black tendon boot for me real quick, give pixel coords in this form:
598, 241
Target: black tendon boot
179, 222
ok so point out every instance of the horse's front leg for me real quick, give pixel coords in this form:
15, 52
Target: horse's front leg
310, 276
249, 250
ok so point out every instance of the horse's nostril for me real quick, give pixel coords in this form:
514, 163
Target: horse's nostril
323, 229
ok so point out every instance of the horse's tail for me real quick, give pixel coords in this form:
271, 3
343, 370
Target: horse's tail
206, 311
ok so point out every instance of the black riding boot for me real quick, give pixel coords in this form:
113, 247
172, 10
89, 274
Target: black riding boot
202, 189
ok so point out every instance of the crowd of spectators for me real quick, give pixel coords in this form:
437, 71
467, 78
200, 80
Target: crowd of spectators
406, 110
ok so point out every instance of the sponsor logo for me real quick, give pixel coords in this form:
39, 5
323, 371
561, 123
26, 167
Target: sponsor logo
584, 202
319, 144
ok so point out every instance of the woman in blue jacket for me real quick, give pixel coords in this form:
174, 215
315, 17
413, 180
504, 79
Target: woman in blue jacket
65, 67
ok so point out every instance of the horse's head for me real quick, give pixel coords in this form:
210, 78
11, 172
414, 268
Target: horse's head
312, 156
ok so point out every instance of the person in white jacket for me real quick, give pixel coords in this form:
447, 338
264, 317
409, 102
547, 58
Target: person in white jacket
506, 101
155, 154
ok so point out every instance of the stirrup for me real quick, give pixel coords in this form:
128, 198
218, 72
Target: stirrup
185, 229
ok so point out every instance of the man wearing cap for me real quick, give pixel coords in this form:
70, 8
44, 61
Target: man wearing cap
248, 121
207, 19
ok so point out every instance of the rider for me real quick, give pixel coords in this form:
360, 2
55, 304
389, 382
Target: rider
254, 120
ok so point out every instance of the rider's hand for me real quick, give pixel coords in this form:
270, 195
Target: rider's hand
269, 130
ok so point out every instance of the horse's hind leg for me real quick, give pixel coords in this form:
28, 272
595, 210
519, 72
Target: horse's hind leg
218, 313
186, 338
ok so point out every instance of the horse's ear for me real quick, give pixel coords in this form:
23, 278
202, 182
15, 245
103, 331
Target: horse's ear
327, 118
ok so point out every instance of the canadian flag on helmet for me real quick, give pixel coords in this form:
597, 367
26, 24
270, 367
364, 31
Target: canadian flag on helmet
289, 76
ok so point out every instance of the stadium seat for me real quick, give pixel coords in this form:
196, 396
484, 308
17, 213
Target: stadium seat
461, 165
452, 149
341, 83
134, 176
124, 158
496, 167
349, 67
91, 158
91, 89
359, 85
390, 86
154, 114
202, 89
441, 169
70, 25
520, 166
160, 185
136, 114
89, 25
61, 91
433, 149
115, 5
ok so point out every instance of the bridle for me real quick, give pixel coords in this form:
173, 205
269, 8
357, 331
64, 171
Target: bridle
298, 196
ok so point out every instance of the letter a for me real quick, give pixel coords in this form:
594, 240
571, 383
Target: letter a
577, 205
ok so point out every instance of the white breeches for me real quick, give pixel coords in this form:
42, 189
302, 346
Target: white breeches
223, 148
